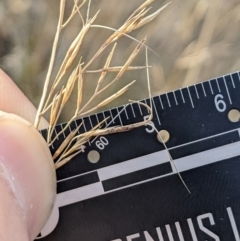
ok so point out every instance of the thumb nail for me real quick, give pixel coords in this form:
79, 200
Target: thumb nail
27, 178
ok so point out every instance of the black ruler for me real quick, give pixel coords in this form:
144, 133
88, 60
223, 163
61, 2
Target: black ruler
134, 193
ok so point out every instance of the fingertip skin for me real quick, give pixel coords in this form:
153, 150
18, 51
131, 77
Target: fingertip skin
27, 175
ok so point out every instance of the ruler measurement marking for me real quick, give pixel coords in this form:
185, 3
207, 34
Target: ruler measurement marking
67, 178
196, 91
104, 118
138, 183
218, 86
78, 175
63, 131
140, 109
111, 121
205, 138
118, 114
156, 111
97, 118
84, 126
126, 112
90, 121
233, 223
168, 100
182, 95
78, 132
239, 76
112, 116
175, 97
133, 110
160, 101
232, 81
146, 104
211, 87
56, 133
85, 131
229, 97
203, 90
190, 97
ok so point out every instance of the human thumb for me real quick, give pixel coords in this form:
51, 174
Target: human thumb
27, 180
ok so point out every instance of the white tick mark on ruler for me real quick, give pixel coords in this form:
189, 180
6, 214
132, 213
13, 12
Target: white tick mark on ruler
190, 97
161, 101
97, 118
239, 132
126, 112
90, 121
63, 131
232, 81
196, 91
104, 117
169, 232
218, 86
179, 231
156, 112
168, 100
133, 111
203, 90
239, 76
140, 109
229, 97
175, 97
111, 121
84, 126
210, 85
85, 130
111, 116
118, 114
182, 95
57, 133
78, 132
146, 104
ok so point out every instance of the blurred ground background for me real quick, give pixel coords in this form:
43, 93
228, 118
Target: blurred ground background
197, 40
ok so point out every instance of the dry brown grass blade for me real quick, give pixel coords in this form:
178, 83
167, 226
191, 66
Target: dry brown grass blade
110, 98
119, 75
70, 86
65, 142
115, 69
80, 139
73, 51
149, 18
52, 59
54, 113
117, 129
75, 9
67, 159
106, 66
140, 8
80, 89
130, 25
131, 58
56, 102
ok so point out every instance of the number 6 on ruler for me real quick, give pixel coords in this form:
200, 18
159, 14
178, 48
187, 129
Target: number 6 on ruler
220, 103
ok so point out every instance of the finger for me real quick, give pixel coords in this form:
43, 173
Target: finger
12, 100
27, 180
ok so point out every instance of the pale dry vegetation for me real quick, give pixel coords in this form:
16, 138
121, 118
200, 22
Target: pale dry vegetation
189, 41
198, 39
